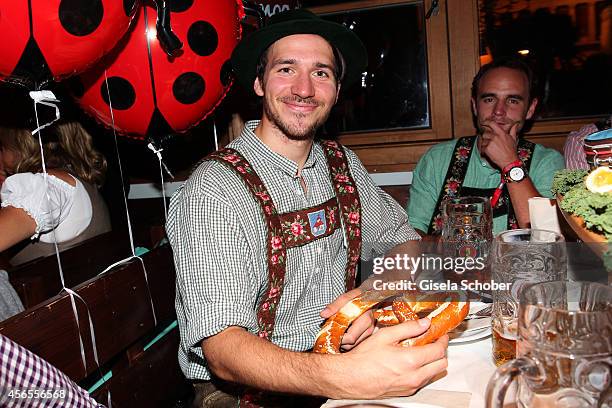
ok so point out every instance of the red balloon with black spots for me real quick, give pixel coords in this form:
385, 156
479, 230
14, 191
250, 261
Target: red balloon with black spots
152, 93
45, 40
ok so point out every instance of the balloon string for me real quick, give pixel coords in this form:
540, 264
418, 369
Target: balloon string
162, 166
161, 176
146, 276
157, 153
127, 211
215, 135
48, 98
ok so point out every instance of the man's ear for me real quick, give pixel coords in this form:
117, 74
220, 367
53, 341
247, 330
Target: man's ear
337, 93
474, 106
258, 88
532, 108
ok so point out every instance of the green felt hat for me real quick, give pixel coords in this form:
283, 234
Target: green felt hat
299, 21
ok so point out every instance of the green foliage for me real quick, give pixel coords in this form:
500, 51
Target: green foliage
594, 208
565, 179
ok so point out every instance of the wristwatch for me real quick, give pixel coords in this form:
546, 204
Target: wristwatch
514, 172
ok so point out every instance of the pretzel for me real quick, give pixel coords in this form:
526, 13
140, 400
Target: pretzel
406, 307
447, 311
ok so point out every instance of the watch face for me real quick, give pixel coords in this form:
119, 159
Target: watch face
516, 173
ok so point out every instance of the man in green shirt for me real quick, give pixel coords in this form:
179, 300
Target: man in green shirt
498, 158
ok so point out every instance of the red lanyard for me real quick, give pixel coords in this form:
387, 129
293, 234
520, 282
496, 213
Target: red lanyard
497, 193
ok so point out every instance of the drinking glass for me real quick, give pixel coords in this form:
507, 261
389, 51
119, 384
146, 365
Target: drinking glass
520, 258
467, 227
564, 348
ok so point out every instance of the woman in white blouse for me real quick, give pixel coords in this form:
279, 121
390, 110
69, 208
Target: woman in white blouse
63, 207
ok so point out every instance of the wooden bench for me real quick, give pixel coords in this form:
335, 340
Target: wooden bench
38, 280
143, 373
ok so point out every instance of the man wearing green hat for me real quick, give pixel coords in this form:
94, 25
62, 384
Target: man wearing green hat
267, 234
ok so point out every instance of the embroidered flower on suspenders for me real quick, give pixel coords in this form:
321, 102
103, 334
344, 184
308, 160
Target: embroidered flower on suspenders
296, 229
343, 182
230, 158
354, 220
276, 243
451, 187
261, 192
331, 217
463, 153
524, 154
438, 222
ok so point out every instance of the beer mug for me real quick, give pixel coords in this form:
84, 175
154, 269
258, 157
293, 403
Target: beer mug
519, 258
564, 348
467, 229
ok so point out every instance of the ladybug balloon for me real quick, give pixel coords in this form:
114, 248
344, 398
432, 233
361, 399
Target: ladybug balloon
44, 40
152, 93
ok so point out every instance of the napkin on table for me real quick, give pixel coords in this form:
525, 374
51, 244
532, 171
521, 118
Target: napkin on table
543, 214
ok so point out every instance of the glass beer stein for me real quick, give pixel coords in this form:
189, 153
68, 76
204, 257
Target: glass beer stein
520, 258
564, 348
467, 227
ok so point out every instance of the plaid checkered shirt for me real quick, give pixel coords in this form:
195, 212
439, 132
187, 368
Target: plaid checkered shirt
27, 380
218, 236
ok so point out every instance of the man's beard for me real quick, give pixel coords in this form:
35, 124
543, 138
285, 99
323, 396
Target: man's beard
293, 132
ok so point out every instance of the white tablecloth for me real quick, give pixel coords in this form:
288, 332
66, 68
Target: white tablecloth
470, 365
